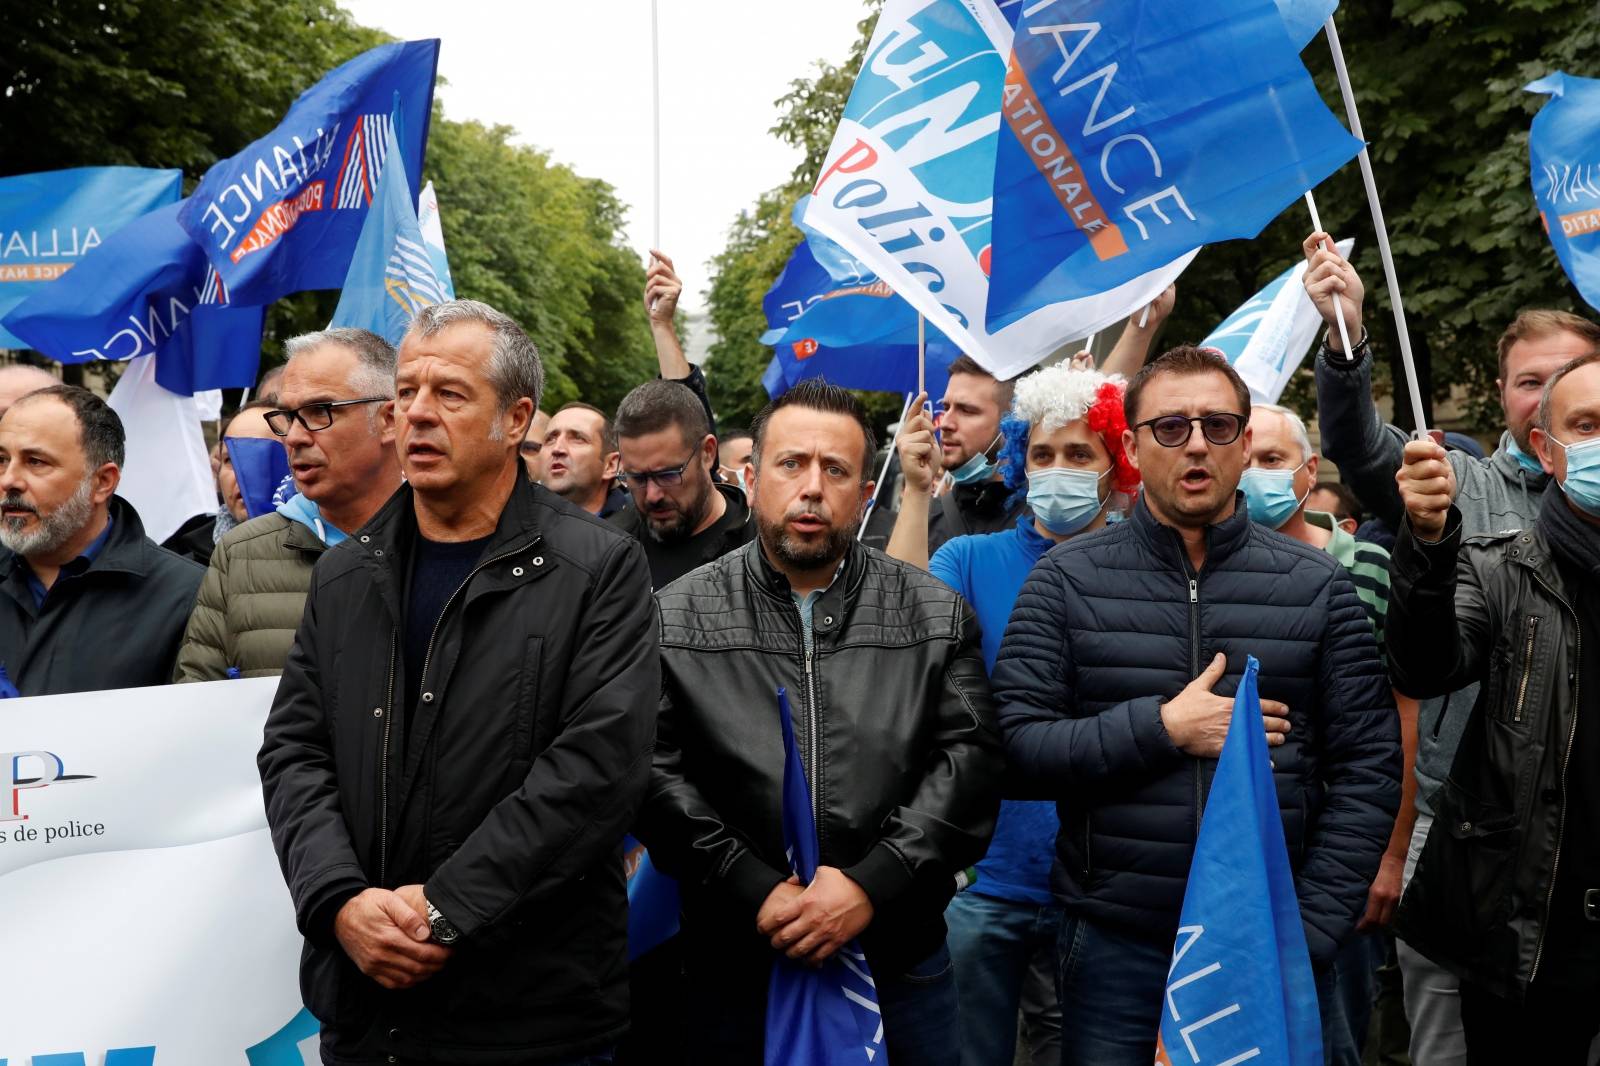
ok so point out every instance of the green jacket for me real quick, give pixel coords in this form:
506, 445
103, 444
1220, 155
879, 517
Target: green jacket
250, 601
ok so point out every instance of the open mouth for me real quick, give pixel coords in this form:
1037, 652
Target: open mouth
807, 523
422, 451
1195, 478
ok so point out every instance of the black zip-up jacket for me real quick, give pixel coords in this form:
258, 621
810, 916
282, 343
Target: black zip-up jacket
116, 624
897, 731
1494, 609
529, 753
1112, 624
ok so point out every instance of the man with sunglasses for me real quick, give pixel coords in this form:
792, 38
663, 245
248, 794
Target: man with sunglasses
680, 514
1115, 684
334, 419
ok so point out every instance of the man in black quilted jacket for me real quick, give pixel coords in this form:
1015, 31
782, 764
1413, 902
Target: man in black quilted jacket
1115, 686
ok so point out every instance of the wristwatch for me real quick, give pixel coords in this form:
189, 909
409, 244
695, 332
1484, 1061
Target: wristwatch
443, 932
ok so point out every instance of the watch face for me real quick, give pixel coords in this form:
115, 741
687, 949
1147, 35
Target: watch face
444, 932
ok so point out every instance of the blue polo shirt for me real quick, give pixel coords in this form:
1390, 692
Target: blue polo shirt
989, 570
70, 570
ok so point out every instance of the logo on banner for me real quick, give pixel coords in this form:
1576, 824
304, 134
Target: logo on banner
293, 182
29, 771
1573, 184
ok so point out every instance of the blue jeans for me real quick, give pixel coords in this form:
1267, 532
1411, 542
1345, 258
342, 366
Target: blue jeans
996, 944
1111, 990
1355, 976
727, 1010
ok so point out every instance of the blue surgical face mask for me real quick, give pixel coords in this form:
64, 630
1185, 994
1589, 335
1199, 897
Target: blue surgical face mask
1270, 494
1582, 484
1528, 462
979, 468
1065, 500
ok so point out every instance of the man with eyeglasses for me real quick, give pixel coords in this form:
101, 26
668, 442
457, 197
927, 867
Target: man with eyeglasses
335, 421
1115, 685
680, 514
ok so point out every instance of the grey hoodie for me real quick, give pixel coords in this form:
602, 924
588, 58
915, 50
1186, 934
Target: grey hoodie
1493, 494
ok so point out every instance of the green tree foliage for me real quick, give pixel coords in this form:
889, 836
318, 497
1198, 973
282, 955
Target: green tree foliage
1439, 85
160, 84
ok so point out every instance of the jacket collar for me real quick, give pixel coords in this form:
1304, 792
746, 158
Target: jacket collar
831, 606
1504, 463
1166, 543
126, 550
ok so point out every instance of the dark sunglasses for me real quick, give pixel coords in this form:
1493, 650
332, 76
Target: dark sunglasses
313, 416
1174, 431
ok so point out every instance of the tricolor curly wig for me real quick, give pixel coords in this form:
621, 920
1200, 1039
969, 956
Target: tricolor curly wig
1053, 397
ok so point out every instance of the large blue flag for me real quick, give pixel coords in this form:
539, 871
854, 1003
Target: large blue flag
391, 274
147, 290
1240, 988
855, 333
49, 221
284, 214
1564, 148
1138, 131
1304, 19
826, 1015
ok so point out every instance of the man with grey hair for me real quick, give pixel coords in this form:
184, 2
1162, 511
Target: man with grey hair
462, 737
335, 419
19, 379
87, 601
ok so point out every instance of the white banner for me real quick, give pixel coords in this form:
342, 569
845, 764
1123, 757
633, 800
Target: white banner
147, 922
166, 474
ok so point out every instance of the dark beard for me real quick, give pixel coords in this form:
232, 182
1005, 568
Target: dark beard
791, 553
684, 522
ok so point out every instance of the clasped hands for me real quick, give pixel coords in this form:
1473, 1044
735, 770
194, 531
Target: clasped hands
386, 935
809, 923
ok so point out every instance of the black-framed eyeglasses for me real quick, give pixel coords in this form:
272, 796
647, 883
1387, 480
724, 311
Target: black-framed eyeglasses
313, 416
1174, 431
665, 478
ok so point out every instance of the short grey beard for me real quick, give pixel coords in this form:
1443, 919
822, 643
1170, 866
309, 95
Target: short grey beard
54, 529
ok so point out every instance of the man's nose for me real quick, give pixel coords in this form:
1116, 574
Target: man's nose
1196, 446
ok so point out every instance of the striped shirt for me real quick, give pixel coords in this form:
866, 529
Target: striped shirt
1367, 564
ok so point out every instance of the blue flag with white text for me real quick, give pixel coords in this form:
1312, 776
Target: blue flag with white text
284, 215
147, 290
48, 221
825, 1015
1564, 150
1240, 987
856, 333
392, 274
1138, 131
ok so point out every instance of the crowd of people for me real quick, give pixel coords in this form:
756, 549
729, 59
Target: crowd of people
509, 639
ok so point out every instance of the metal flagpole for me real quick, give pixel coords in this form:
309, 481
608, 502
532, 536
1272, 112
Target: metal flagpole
1378, 225
1338, 301
655, 98
877, 489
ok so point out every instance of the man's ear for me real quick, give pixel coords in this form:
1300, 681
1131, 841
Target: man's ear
105, 481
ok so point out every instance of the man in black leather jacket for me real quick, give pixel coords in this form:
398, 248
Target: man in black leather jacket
891, 709
1507, 889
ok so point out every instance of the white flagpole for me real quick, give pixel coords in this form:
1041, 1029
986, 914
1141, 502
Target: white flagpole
1338, 301
1144, 316
1381, 229
922, 354
655, 98
877, 489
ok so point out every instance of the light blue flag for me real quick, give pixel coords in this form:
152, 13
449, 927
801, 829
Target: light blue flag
391, 275
1138, 131
1304, 19
1564, 149
1240, 988
49, 221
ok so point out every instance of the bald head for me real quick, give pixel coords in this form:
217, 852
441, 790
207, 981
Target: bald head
17, 381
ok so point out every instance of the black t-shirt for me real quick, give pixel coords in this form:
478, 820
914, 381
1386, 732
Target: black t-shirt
438, 569
672, 559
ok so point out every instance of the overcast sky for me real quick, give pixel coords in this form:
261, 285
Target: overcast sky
574, 79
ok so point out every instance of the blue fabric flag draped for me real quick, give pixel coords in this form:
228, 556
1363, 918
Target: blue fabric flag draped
51, 220
391, 274
147, 290
1240, 987
856, 333
259, 466
284, 215
1117, 155
826, 1015
1304, 19
1564, 149
653, 901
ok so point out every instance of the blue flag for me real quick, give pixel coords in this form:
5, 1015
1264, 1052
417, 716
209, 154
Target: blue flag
1138, 131
653, 900
391, 274
856, 333
284, 215
259, 465
147, 290
1240, 987
1564, 148
1304, 19
826, 1015
49, 221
